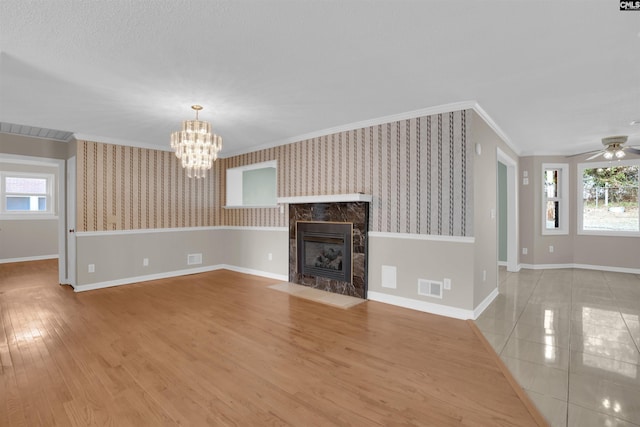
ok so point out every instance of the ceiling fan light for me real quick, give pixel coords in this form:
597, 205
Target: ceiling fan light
620, 154
608, 155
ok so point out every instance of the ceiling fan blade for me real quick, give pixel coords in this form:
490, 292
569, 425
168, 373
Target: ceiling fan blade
599, 153
633, 150
582, 154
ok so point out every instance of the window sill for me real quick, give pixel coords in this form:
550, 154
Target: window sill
555, 233
609, 233
28, 217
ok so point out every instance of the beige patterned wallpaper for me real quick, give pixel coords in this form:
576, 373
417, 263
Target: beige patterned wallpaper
417, 170
126, 188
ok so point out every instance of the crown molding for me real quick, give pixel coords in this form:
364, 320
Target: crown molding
428, 111
494, 126
115, 141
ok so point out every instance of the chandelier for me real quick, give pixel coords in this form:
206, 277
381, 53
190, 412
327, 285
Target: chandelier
196, 146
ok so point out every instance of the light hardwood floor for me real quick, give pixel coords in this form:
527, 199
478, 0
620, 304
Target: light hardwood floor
221, 348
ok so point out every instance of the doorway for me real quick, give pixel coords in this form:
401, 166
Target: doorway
508, 215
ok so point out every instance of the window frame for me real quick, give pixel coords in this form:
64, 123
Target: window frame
49, 213
580, 199
563, 199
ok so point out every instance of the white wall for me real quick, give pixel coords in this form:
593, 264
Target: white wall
118, 256
420, 257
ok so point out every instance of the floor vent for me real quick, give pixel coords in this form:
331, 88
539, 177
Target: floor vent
430, 288
193, 259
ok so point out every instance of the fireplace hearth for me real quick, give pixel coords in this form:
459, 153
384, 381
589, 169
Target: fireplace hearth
328, 246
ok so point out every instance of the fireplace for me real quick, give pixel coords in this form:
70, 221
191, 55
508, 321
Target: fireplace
328, 246
324, 249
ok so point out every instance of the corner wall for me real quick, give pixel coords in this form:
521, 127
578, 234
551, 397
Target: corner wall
485, 274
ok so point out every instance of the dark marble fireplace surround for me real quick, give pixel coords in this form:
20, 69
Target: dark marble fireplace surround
355, 213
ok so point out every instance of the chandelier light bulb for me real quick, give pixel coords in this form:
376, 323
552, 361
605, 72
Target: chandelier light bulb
608, 155
620, 154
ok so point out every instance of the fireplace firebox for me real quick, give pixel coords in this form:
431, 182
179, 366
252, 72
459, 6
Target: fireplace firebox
324, 250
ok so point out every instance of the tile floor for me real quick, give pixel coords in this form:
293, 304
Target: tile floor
571, 338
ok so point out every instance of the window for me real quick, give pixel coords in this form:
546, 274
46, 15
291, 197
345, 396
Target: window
252, 185
555, 204
26, 194
608, 198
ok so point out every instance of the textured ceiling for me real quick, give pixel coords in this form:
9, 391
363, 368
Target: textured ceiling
554, 76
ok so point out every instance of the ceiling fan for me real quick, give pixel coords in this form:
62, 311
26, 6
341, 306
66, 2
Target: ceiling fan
613, 147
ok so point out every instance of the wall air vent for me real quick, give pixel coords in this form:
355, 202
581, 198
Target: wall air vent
430, 288
193, 259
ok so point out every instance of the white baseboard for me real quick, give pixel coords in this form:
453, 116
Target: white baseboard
282, 277
29, 258
424, 306
166, 275
502, 263
582, 266
485, 303
146, 278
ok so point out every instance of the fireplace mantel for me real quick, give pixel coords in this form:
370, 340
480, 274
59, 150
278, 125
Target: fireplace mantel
328, 198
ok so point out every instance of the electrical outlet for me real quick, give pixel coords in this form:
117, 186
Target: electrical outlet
447, 284
525, 251
92, 268
550, 248
525, 181
145, 262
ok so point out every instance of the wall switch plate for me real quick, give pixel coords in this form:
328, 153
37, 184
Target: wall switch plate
525, 173
525, 251
270, 256
447, 284
550, 248
92, 268
484, 275
145, 262
525, 181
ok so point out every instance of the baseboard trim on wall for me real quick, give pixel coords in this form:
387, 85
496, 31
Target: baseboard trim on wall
424, 306
168, 274
281, 277
453, 239
582, 266
28, 258
502, 263
485, 303
146, 278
